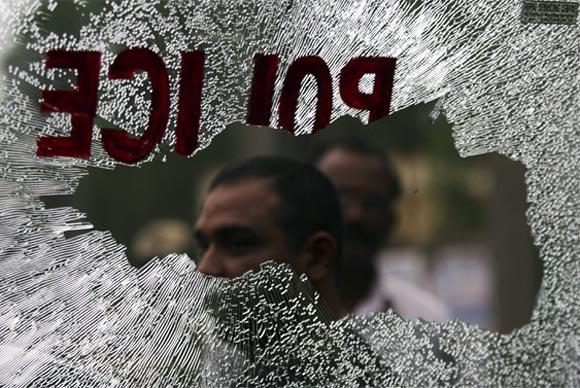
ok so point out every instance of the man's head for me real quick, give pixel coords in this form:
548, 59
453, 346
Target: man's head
368, 187
270, 208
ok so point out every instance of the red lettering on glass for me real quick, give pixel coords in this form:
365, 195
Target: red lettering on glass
378, 102
262, 94
119, 144
298, 70
80, 103
189, 111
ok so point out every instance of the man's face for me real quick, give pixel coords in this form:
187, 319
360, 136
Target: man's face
361, 180
236, 230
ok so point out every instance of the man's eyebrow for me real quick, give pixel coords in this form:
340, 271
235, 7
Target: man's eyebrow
226, 231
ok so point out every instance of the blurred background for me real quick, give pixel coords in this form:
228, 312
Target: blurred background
462, 232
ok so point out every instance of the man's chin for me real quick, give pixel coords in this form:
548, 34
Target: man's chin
357, 251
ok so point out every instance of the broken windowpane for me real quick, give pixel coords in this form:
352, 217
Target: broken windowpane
74, 312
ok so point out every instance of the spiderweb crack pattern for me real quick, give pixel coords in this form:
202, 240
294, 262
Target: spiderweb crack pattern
74, 313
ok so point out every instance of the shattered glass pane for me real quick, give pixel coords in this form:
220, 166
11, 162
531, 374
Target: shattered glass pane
69, 307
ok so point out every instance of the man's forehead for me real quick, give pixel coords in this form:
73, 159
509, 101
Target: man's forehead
249, 199
352, 166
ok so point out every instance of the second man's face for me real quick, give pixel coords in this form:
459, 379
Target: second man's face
361, 182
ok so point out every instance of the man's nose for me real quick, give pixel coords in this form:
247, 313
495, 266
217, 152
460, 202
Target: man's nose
211, 264
353, 210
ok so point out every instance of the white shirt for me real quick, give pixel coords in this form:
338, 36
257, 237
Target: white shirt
406, 299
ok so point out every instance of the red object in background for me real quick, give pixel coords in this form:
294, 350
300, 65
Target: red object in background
80, 103
117, 143
379, 101
298, 70
189, 111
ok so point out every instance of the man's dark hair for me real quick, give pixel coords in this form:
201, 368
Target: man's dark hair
359, 146
308, 200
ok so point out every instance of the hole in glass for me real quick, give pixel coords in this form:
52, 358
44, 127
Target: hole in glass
459, 247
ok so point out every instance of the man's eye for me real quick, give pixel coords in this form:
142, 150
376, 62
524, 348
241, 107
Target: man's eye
241, 245
200, 247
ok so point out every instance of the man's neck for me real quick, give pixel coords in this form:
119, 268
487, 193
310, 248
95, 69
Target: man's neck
328, 290
356, 286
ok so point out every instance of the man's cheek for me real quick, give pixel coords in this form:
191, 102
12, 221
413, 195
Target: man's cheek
377, 226
240, 265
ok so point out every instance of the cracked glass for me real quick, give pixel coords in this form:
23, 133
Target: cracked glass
74, 312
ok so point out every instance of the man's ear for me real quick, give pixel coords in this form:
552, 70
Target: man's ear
319, 256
